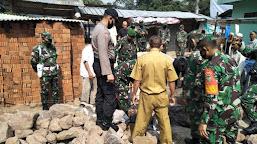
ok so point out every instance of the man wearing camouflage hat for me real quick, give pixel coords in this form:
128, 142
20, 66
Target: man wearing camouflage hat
181, 41
43, 61
126, 47
164, 34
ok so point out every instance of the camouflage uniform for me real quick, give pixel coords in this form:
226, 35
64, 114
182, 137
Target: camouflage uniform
138, 30
191, 92
122, 80
142, 40
125, 50
164, 34
181, 41
221, 98
196, 35
47, 57
249, 99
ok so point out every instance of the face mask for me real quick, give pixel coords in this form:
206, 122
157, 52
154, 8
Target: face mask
164, 26
110, 25
48, 42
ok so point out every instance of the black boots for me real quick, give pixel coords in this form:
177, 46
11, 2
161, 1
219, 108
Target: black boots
105, 122
252, 129
108, 123
45, 106
192, 141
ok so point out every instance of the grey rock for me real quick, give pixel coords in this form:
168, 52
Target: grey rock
54, 125
5, 117
77, 121
95, 138
148, 139
66, 122
23, 133
61, 110
179, 134
51, 138
43, 120
68, 134
22, 141
36, 139
12, 140
81, 138
252, 139
111, 137
240, 136
119, 116
5, 131
92, 128
42, 132
23, 120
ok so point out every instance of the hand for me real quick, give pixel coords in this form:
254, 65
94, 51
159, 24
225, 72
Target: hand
110, 78
202, 130
172, 101
135, 30
182, 78
134, 99
143, 33
90, 75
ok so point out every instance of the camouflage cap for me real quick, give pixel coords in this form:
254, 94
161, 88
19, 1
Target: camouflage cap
46, 35
181, 26
131, 32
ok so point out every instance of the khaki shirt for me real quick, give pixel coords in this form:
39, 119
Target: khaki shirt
154, 70
103, 47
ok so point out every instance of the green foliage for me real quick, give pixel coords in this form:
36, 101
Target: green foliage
96, 2
125, 4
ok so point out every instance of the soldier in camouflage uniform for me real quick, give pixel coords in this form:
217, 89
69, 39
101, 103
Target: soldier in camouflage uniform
193, 38
194, 107
220, 95
142, 40
249, 99
164, 34
181, 41
138, 31
126, 47
122, 80
43, 61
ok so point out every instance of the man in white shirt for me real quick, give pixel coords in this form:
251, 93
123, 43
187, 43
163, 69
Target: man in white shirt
89, 82
236, 55
113, 34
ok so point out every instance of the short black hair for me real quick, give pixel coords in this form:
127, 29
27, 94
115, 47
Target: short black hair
203, 31
155, 41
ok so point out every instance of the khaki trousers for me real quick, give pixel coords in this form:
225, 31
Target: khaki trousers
89, 89
159, 104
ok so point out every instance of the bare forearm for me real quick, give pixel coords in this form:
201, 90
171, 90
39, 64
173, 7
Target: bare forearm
136, 86
172, 88
87, 67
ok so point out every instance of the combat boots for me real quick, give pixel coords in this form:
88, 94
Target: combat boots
45, 106
107, 123
99, 119
252, 129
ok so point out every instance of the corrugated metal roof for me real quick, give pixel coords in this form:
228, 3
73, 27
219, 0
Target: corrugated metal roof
8, 17
60, 2
99, 11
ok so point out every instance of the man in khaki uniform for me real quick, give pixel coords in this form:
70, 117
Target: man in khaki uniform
153, 70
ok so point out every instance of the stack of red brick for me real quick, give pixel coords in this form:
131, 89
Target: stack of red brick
19, 84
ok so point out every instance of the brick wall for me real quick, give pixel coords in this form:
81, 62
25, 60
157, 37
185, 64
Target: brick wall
19, 84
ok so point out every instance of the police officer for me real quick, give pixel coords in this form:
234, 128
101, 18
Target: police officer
153, 70
126, 47
181, 40
104, 69
219, 79
43, 61
164, 34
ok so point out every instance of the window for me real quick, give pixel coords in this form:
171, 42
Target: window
252, 14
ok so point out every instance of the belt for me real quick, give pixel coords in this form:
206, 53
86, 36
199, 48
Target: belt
50, 68
153, 93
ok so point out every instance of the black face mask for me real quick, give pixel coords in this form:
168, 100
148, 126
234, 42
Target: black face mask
165, 26
110, 25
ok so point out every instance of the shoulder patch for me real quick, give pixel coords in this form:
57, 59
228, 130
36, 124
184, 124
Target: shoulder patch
211, 85
106, 35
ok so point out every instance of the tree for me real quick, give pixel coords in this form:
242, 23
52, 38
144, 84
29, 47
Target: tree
95, 2
204, 6
125, 4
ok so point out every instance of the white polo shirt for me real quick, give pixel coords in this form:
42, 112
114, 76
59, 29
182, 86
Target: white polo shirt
87, 56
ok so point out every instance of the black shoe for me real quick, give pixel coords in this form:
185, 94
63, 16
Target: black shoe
108, 123
192, 141
45, 107
252, 129
187, 140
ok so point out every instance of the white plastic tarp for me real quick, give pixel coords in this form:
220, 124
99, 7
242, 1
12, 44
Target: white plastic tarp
214, 8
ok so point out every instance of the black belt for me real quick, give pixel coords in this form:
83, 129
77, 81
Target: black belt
153, 93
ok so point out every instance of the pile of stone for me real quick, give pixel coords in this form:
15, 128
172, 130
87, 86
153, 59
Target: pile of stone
63, 123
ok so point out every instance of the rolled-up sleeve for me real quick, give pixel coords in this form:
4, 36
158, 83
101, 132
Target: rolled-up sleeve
103, 39
137, 71
172, 75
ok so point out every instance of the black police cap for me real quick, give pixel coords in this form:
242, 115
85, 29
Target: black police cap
112, 12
